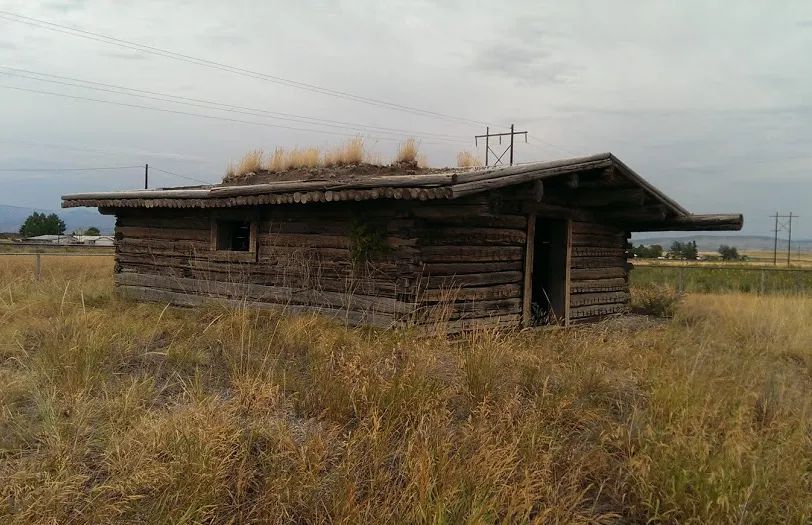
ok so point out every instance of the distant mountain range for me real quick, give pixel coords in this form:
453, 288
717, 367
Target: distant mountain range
710, 243
12, 217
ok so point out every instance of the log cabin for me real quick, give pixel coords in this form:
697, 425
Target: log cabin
523, 245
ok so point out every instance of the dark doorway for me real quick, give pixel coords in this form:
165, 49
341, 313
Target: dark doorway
550, 273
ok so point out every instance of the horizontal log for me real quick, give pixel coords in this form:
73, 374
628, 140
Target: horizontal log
153, 220
597, 262
163, 233
268, 294
371, 318
305, 240
578, 274
502, 291
585, 299
316, 280
599, 285
598, 251
582, 312
440, 253
472, 236
716, 222
460, 190
473, 279
615, 241
464, 267
516, 222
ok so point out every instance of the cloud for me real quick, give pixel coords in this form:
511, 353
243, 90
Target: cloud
65, 7
125, 56
4, 44
525, 52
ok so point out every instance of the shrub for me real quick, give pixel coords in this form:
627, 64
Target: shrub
656, 300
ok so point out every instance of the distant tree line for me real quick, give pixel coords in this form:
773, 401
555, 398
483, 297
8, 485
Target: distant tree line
686, 251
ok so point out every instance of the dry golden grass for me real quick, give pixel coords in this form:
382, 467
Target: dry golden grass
408, 152
250, 163
351, 152
466, 159
116, 412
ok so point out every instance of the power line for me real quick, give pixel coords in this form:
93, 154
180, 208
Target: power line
179, 175
209, 104
51, 26
71, 169
201, 115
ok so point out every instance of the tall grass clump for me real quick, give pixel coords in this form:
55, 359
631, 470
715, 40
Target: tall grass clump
466, 159
352, 152
251, 162
119, 412
408, 152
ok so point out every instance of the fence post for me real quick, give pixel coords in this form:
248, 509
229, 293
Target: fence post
37, 268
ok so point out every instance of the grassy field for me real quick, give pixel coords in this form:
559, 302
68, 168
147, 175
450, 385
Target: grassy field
730, 278
116, 412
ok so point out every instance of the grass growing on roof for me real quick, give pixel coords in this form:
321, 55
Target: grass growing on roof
118, 412
466, 159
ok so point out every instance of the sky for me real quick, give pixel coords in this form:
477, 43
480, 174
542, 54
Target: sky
709, 101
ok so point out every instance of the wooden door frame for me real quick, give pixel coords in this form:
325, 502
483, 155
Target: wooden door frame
529, 261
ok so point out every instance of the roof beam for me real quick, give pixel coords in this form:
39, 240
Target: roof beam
710, 222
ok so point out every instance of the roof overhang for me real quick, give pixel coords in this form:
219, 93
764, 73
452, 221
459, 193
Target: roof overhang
654, 212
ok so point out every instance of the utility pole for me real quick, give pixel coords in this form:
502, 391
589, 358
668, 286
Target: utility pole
488, 149
775, 241
789, 239
146, 176
779, 226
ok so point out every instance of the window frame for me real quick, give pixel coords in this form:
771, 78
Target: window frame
234, 255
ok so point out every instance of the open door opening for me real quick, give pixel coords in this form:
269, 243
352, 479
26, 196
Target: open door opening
550, 260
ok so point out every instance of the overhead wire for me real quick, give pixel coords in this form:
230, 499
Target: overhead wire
71, 169
81, 33
178, 175
201, 115
209, 104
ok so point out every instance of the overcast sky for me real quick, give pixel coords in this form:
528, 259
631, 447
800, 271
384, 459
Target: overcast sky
712, 104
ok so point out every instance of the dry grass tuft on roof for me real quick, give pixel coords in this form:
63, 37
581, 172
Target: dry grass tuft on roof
250, 163
284, 163
466, 159
408, 152
350, 153
299, 158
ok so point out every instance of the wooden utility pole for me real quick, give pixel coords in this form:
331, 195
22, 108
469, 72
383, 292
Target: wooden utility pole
789, 239
488, 149
146, 176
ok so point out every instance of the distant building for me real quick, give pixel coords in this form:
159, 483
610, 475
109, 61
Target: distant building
95, 240
51, 239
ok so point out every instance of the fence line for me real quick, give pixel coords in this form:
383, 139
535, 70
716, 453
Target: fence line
737, 268
38, 256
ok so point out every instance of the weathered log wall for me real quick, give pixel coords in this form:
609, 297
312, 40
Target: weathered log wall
599, 283
471, 257
304, 259
459, 263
